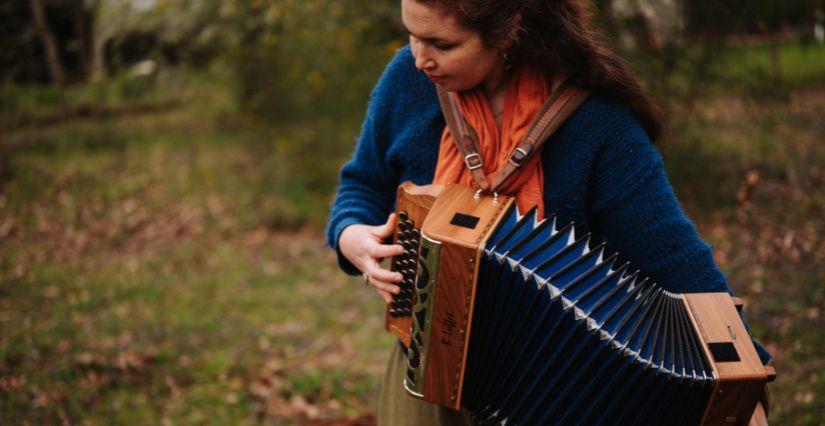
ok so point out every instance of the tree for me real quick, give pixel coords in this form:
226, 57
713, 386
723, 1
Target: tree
53, 61
109, 17
650, 24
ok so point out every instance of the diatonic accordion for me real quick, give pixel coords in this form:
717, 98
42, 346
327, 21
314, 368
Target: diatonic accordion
521, 321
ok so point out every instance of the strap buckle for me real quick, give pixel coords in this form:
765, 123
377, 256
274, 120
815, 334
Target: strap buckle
517, 157
473, 161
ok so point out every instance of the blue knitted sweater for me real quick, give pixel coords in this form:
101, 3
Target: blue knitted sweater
600, 172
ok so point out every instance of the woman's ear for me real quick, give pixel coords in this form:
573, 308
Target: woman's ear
513, 33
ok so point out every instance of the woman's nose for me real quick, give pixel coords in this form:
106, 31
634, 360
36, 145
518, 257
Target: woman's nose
422, 60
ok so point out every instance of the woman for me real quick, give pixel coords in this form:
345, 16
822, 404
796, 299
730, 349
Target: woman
599, 169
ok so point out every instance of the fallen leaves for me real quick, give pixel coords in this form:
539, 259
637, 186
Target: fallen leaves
128, 360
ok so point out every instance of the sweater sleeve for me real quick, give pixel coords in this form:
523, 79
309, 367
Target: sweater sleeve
634, 207
636, 210
366, 191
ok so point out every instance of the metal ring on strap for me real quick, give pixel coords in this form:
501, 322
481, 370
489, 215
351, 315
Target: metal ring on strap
467, 160
518, 161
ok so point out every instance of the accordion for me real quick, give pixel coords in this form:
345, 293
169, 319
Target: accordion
521, 321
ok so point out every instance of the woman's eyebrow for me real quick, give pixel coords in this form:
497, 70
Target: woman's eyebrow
428, 39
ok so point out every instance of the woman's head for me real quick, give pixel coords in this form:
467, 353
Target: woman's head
556, 36
448, 51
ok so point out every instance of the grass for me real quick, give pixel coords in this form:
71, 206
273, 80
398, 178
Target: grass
798, 65
167, 265
683, 74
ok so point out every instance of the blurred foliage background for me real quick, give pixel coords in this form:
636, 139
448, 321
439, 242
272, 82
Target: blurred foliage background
166, 168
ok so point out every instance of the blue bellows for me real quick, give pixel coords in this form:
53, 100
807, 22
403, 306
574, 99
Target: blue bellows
564, 334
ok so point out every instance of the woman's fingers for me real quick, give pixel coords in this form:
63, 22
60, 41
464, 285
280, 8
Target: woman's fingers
382, 279
386, 276
381, 251
384, 286
386, 296
385, 230
377, 273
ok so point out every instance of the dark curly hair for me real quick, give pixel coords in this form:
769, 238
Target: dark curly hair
558, 35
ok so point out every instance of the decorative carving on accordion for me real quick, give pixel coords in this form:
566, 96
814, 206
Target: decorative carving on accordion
521, 321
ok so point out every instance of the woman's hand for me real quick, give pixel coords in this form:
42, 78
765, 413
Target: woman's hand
363, 246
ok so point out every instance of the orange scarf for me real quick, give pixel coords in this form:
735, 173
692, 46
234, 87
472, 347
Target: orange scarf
526, 93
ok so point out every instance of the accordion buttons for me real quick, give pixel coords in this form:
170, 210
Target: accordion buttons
403, 215
415, 233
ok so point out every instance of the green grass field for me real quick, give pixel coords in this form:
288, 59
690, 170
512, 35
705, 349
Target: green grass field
165, 264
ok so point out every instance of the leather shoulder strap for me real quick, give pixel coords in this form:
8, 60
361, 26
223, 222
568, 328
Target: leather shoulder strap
465, 138
563, 102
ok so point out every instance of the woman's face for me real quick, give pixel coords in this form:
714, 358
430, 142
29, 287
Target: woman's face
450, 54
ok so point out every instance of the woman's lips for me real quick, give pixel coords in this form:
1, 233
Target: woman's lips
435, 78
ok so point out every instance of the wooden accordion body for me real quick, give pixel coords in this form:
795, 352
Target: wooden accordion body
522, 322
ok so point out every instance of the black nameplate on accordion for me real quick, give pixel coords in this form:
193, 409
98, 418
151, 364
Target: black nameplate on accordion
465, 221
724, 352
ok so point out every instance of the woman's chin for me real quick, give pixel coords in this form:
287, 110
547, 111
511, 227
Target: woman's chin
451, 85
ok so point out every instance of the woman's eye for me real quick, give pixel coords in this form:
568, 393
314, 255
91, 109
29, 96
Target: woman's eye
444, 46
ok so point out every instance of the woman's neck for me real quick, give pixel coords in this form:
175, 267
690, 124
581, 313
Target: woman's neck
495, 90
496, 81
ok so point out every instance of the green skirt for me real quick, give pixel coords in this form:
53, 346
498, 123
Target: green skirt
397, 408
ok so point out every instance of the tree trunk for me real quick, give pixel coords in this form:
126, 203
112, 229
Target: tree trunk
95, 41
82, 33
49, 43
98, 44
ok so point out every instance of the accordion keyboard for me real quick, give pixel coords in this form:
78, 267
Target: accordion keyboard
407, 235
